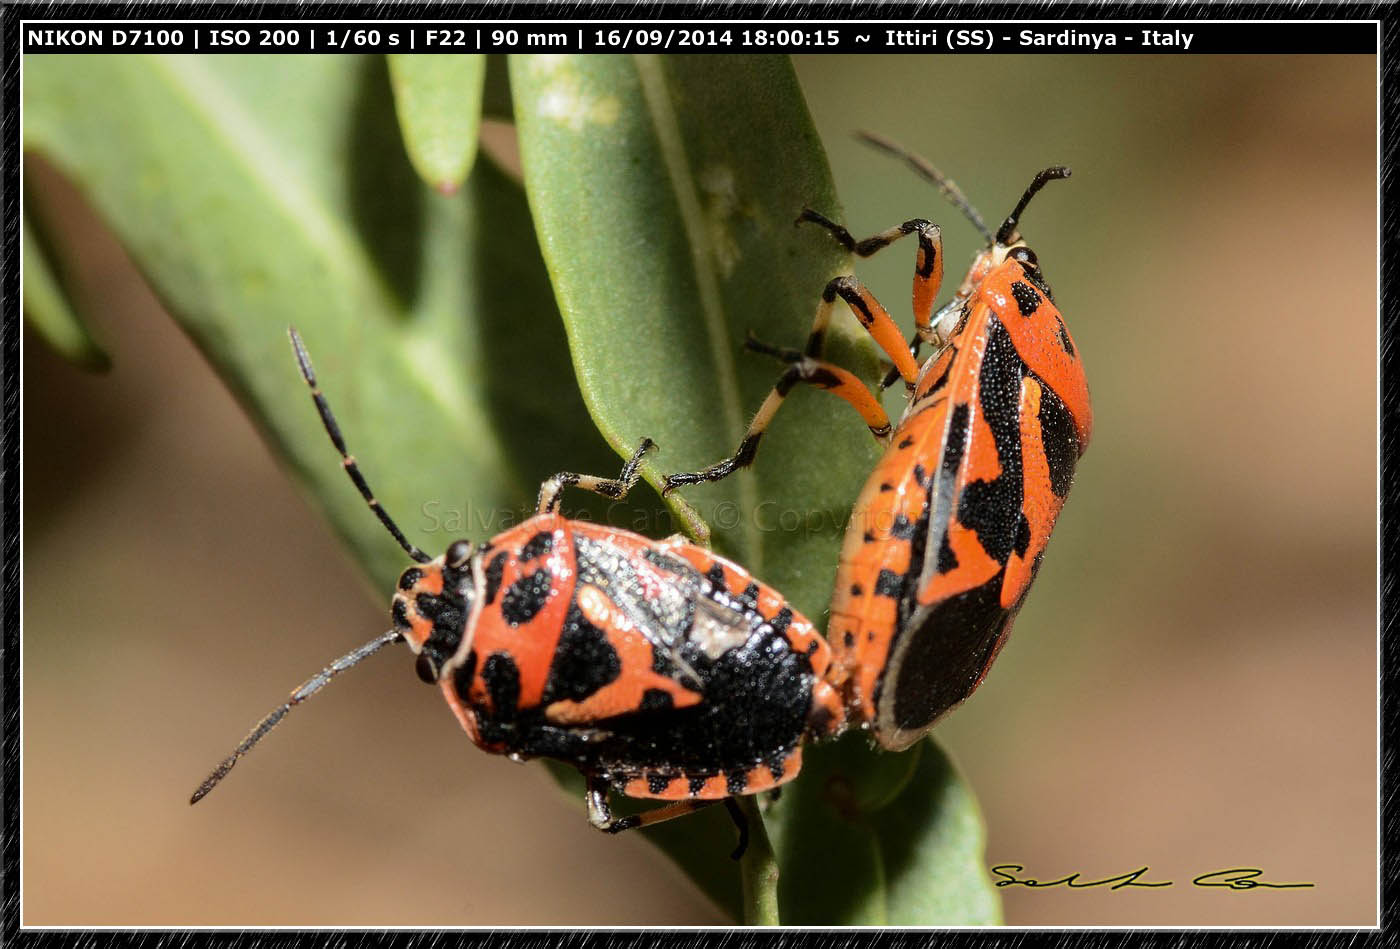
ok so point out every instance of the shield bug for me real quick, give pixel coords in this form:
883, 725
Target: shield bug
656, 668
949, 530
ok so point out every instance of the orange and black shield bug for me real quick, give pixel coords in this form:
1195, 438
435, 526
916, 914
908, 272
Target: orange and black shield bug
949, 530
656, 668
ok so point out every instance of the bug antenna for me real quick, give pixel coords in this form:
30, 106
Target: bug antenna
1008, 227
348, 460
926, 170
302, 692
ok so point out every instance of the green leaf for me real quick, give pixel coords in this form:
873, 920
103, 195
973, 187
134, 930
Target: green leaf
48, 311
261, 192
438, 100
665, 192
900, 842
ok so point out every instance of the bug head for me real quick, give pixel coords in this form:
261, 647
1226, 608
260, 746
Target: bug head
1008, 244
435, 606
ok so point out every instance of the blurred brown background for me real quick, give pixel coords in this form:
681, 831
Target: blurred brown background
1192, 686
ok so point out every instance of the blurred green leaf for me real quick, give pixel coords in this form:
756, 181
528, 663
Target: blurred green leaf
47, 309
438, 101
258, 192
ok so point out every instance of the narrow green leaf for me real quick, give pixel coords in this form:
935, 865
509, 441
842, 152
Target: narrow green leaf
48, 311
665, 192
438, 101
261, 192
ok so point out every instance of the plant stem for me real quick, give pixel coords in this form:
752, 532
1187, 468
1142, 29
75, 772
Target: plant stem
758, 870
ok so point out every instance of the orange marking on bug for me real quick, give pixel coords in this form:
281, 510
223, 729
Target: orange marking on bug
926, 288
1041, 505
858, 394
1037, 339
431, 580
635, 653
675, 789
532, 644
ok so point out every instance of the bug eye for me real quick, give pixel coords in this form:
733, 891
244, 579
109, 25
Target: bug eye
458, 553
427, 671
1026, 256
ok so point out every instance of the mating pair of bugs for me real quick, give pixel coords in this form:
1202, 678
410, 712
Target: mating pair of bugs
663, 671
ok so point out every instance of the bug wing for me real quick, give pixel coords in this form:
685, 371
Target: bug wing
656, 594
992, 501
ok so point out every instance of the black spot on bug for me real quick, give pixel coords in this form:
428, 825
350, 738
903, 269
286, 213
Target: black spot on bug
924, 479
1023, 535
1061, 441
956, 444
584, 660
902, 528
947, 559
503, 685
928, 257
656, 783
1065, 342
781, 621
526, 597
716, 576
428, 605
493, 576
889, 583
537, 546
399, 612
867, 537
857, 590
1036, 276
1027, 300
991, 508
655, 700
849, 639
735, 782
695, 783
905, 442
886, 486
811, 649
462, 677
409, 577
749, 598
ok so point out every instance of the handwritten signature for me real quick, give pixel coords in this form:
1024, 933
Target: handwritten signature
1236, 878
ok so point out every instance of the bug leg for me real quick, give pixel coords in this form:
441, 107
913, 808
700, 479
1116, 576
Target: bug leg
615, 488
741, 823
600, 814
928, 268
804, 367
